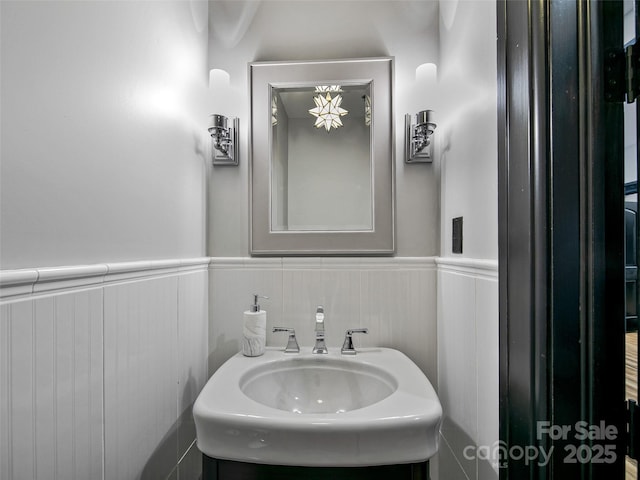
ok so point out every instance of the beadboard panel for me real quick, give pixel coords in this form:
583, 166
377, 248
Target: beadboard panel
97, 382
51, 413
457, 369
6, 424
140, 355
488, 352
393, 297
468, 365
192, 351
231, 289
399, 307
338, 291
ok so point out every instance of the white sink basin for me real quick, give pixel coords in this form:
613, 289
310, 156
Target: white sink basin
317, 385
374, 408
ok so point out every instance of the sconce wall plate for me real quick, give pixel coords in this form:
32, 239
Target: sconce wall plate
418, 139
224, 140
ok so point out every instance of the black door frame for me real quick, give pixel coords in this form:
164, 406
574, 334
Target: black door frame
561, 233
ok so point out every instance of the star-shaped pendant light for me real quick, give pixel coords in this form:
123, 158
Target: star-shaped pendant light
274, 110
328, 111
367, 110
328, 88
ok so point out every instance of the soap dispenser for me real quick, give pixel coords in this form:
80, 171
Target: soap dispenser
254, 330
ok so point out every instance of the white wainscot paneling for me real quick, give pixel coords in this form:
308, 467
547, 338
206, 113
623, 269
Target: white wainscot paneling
232, 284
399, 308
468, 365
51, 387
140, 332
488, 351
393, 297
192, 352
308, 283
98, 381
457, 364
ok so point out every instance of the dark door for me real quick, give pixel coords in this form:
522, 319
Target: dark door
632, 236
563, 310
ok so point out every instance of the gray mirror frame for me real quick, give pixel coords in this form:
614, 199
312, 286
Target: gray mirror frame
378, 241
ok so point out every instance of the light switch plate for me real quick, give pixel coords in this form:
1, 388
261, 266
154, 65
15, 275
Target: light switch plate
456, 235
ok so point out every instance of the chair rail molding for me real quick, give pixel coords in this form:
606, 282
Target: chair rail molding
47, 279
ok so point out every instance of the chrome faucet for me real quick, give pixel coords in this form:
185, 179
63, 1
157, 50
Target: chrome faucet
347, 346
292, 343
320, 345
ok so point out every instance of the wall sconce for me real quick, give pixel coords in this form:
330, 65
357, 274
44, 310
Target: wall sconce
224, 140
418, 146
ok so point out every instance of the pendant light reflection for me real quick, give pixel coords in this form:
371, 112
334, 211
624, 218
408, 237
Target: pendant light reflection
367, 110
274, 110
328, 88
328, 110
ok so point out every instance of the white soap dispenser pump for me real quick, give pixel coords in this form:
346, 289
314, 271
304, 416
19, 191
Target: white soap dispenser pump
254, 329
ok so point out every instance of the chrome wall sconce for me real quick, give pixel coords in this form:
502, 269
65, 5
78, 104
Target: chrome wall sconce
418, 146
224, 139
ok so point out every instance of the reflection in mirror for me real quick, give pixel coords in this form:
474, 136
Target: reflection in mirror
321, 172
321, 157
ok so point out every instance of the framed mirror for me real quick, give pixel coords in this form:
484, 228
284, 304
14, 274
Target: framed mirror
322, 166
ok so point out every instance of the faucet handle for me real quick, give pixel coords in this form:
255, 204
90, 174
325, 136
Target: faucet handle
292, 343
347, 346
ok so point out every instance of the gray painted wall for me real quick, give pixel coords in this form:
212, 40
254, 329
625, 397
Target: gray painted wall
467, 126
103, 131
243, 32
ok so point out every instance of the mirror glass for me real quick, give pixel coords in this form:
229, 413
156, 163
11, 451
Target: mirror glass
321, 150
321, 158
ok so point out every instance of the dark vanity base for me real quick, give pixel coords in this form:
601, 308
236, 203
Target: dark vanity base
213, 469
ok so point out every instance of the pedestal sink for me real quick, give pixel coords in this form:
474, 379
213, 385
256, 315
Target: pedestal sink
374, 408
311, 384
